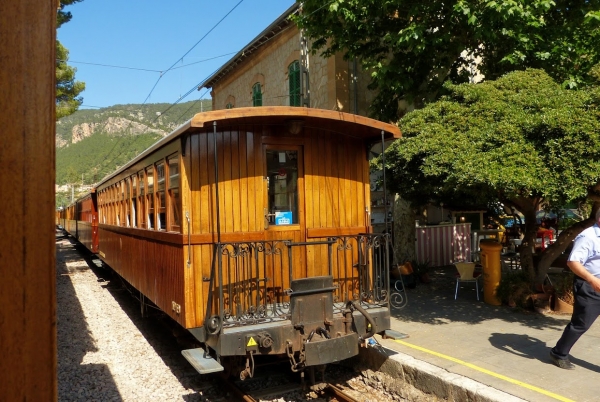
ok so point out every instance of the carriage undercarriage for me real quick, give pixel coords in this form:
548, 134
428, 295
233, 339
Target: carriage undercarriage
314, 321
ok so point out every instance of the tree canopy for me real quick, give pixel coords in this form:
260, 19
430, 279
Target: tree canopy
521, 139
412, 47
67, 89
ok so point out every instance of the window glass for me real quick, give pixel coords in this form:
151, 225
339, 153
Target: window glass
282, 185
161, 207
174, 172
160, 176
134, 223
174, 200
150, 178
142, 201
256, 95
150, 196
175, 210
126, 202
294, 83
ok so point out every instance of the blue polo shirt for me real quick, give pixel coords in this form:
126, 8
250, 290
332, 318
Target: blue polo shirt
586, 249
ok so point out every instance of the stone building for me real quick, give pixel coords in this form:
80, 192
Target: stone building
276, 69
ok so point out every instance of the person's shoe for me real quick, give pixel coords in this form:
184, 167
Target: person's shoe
562, 363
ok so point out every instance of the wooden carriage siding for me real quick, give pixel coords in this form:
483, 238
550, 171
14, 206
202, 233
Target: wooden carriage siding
333, 189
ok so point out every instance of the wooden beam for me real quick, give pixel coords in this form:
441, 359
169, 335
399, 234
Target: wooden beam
27, 244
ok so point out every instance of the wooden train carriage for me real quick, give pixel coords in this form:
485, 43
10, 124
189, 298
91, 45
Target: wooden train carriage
70, 220
86, 213
80, 220
219, 222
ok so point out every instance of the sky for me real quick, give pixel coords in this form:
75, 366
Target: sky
148, 51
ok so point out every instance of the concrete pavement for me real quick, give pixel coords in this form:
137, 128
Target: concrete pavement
499, 347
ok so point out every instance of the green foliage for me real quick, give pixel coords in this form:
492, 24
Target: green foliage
98, 155
515, 289
563, 286
412, 47
119, 134
420, 268
67, 89
519, 137
64, 16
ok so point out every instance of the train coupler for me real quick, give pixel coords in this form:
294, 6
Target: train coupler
248, 372
299, 364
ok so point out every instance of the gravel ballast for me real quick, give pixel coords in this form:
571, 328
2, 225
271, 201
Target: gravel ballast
108, 352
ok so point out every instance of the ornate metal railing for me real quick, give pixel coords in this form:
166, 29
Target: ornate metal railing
252, 279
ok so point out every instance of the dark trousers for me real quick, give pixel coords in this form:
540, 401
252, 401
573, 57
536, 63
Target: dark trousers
585, 312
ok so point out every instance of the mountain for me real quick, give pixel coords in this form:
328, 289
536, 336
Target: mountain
92, 143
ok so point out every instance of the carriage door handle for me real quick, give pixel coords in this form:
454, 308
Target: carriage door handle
267, 216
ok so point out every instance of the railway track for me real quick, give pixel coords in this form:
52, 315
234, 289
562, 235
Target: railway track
330, 392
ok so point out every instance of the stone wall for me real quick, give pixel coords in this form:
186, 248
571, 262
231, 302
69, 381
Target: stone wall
331, 85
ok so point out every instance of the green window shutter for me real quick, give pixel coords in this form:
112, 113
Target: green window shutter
294, 81
256, 95
229, 106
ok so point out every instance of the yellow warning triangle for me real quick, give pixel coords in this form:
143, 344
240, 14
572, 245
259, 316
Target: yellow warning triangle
252, 342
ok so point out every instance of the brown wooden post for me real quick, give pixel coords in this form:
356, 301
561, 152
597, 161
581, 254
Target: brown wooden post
27, 128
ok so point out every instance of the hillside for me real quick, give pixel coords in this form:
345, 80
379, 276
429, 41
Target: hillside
93, 143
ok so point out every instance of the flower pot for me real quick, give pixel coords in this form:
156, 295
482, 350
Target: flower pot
560, 306
424, 278
541, 302
404, 270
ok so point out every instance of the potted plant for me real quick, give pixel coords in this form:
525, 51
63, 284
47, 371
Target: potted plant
405, 273
564, 298
515, 290
421, 270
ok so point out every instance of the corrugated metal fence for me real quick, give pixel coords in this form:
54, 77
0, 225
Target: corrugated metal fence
443, 244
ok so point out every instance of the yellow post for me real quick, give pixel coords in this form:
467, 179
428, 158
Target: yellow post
490, 260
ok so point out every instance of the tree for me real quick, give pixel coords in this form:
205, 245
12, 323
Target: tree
67, 89
521, 139
412, 47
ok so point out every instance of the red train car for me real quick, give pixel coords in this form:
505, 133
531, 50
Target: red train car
250, 227
80, 220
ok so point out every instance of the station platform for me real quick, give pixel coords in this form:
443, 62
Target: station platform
491, 348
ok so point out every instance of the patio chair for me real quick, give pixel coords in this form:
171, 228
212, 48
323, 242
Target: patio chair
466, 274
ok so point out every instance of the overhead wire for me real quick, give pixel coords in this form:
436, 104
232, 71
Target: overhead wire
144, 69
197, 86
192, 48
173, 65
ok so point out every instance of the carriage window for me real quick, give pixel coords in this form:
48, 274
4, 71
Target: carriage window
282, 186
133, 199
150, 196
161, 207
127, 201
142, 201
174, 201
117, 204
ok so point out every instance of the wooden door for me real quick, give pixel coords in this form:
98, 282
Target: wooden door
283, 207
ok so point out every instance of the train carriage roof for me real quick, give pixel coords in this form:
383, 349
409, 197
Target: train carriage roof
348, 124
352, 125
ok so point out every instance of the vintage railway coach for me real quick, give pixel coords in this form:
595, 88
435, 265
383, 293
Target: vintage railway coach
80, 220
250, 227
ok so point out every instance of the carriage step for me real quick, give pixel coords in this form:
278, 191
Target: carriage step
391, 334
201, 360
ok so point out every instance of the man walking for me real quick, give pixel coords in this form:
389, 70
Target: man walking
584, 261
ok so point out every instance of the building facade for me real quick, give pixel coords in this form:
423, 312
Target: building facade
276, 69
